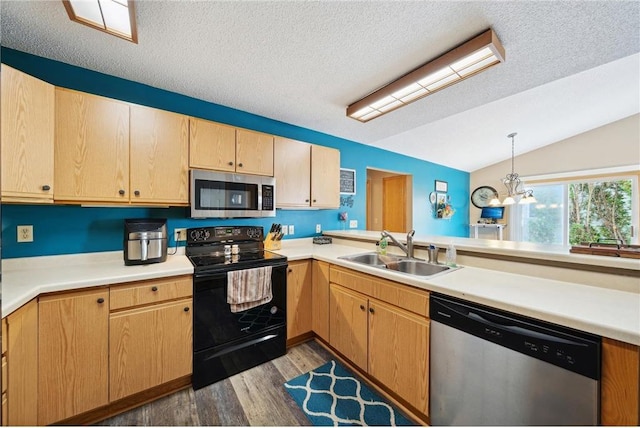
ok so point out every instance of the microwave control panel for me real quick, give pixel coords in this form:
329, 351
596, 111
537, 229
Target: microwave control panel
267, 197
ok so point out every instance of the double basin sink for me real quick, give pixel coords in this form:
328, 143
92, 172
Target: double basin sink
400, 264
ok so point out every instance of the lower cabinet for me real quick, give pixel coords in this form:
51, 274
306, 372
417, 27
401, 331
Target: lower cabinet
298, 298
320, 299
369, 325
149, 346
72, 354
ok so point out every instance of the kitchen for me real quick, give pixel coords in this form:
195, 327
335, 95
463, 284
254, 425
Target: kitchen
97, 228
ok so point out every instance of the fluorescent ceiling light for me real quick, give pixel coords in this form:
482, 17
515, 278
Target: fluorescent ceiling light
471, 57
115, 17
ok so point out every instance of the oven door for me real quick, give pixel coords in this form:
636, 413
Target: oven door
215, 325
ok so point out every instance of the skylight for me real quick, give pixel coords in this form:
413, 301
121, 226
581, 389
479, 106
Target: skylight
115, 17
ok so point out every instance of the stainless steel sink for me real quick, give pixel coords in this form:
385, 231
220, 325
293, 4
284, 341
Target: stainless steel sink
418, 267
400, 264
372, 259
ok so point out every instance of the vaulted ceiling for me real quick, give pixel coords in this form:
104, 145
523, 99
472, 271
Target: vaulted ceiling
571, 66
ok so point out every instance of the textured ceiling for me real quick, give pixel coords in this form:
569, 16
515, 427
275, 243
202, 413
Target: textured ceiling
303, 62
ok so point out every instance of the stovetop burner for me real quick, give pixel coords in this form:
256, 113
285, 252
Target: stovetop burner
205, 248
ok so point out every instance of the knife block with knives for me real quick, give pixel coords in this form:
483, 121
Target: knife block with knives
273, 240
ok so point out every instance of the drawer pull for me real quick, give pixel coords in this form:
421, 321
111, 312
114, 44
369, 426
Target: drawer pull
290, 270
230, 163
362, 307
136, 193
186, 309
154, 288
46, 187
101, 300
121, 192
371, 310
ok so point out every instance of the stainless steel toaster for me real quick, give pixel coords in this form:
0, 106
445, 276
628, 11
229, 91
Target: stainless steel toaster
145, 241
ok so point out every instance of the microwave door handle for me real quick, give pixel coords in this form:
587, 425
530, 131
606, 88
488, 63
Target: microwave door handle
144, 249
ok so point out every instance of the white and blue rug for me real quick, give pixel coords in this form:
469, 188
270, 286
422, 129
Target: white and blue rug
331, 395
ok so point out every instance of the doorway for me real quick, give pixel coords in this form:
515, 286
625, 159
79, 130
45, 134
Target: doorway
389, 201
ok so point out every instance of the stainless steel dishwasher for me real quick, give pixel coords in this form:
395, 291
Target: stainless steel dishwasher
490, 367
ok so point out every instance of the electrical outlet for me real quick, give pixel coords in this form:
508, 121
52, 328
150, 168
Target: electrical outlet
318, 228
180, 234
291, 230
285, 229
353, 224
25, 233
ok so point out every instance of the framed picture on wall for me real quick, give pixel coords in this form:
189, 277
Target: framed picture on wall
347, 181
442, 186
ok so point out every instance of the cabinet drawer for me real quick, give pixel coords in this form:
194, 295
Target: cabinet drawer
4, 374
403, 296
151, 291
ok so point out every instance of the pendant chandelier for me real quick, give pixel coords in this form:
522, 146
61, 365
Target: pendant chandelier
515, 188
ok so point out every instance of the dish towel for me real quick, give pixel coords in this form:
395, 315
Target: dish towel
249, 288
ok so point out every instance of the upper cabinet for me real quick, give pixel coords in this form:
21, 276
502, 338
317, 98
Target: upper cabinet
307, 175
159, 143
27, 136
102, 143
225, 148
92, 148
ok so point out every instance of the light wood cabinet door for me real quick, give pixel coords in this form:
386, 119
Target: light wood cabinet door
399, 352
159, 146
298, 298
72, 354
91, 148
254, 152
620, 385
22, 366
348, 324
212, 145
149, 346
27, 134
320, 299
292, 170
325, 177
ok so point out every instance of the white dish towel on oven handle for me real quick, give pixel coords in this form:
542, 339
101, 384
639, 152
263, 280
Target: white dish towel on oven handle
248, 288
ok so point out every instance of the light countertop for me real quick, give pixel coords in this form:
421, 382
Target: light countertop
526, 250
606, 312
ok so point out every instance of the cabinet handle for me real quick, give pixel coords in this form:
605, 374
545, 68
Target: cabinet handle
186, 309
121, 192
46, 187
314, 200
371, 310
101, 300
230, 163
137, 193
290, 270
362, 307
306, 200
240, 164
154, 288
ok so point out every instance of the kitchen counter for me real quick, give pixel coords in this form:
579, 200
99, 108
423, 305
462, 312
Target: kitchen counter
26, 278
610, 313
541, 253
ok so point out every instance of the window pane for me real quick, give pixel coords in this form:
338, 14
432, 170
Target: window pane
542, 222
599, 211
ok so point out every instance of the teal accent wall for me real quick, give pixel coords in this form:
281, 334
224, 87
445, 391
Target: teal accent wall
60, 229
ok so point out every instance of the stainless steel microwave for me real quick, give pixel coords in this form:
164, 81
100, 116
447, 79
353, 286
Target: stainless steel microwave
225, 195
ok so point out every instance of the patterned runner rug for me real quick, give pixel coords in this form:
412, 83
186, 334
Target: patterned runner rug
331, 395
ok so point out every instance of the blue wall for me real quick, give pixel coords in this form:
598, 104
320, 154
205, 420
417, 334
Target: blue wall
73, 229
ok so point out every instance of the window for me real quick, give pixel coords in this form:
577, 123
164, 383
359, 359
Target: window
577, 211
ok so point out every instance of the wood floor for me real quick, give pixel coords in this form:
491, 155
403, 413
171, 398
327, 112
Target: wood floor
253, 397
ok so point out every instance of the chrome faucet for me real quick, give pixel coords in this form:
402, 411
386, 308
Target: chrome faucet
408, 249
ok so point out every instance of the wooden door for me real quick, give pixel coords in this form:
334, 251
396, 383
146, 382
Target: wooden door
159, 142
72, 354
22, 365
320, 299
292, 170
149, 346
348, 324
394, 203
325, 177
212, 145
619, 388
27, 134
91, 148
298, 298
399, 352
254, 153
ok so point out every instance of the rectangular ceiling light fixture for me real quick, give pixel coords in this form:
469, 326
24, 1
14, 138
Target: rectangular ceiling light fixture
115, 17
471, 57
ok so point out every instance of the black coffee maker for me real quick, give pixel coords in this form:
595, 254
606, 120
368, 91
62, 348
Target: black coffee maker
145, 241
